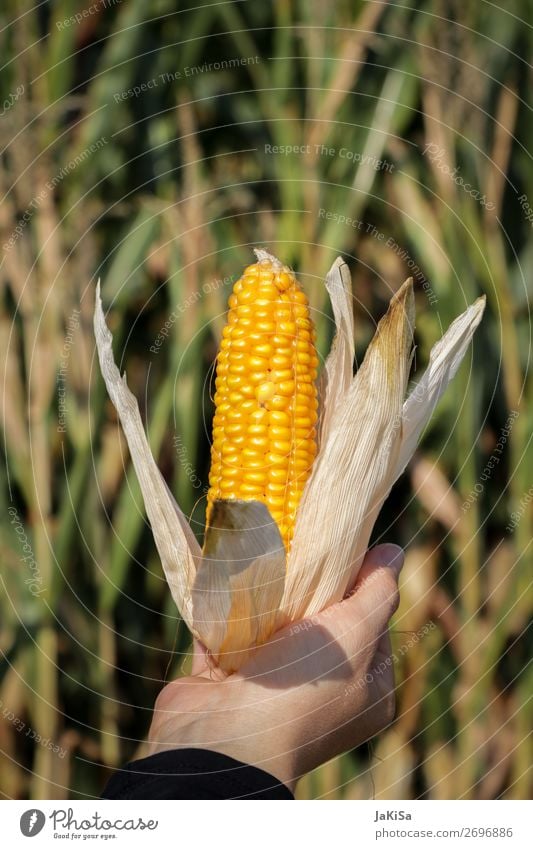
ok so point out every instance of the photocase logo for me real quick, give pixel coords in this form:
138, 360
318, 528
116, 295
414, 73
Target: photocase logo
32, 822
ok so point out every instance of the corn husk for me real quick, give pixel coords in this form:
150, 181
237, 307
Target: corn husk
243, 586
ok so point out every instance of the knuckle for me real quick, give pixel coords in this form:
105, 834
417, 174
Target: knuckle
164, 697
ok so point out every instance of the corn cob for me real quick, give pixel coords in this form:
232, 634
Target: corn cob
264, 429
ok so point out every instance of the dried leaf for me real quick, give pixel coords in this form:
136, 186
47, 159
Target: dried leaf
175, 541
337, 374
445, 358
240, 581
354, 467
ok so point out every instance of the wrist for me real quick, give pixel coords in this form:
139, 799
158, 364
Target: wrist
231, 727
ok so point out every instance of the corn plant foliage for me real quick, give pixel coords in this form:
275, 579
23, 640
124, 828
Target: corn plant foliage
154, 148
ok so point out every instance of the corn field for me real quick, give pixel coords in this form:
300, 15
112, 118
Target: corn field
154, 147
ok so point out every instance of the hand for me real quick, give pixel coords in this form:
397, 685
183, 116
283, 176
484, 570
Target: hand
317, 688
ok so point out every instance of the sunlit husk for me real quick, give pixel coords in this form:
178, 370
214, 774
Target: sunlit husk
358, 453
445, 358
175, 541
337, 374
240, 582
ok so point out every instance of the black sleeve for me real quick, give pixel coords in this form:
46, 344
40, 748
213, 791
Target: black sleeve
193, 774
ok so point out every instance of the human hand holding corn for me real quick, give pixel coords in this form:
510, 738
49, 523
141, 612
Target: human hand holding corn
314, 690
299, 471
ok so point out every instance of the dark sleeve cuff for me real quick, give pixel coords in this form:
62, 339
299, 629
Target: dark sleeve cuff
193, 774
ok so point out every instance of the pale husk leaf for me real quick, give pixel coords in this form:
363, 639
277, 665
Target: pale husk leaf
337, 374
175, 541
445, 358
352, 474
240, 581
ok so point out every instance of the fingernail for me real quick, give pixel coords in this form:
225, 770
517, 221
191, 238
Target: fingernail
393, 556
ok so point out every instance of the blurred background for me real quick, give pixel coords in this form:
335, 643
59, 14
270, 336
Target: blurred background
154, 145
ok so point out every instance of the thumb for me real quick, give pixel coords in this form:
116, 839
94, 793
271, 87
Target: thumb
375, 596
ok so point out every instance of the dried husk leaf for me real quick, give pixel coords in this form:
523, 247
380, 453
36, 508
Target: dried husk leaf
337, 375
175, 541
445, 358
352, 473
239, 583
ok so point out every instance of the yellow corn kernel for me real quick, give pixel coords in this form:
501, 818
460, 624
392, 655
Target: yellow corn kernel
282, 374
250, 490
278, 432
277, 460
263, 349
278, 402
287, 387
265, 391
264, 439
278, 417
278, 475
257, 477
259, 415
258, 442
275, 489
254, 430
